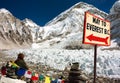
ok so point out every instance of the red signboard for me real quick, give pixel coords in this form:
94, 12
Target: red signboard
96, 30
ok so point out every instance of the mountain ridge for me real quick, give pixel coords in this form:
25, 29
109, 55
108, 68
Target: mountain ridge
13, 32
64, 31
77, 5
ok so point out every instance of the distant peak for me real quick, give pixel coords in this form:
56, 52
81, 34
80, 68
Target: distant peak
26, 19
29, 22
115, 8
3, 10
82, 5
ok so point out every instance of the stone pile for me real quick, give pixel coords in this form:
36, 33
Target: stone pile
76, 75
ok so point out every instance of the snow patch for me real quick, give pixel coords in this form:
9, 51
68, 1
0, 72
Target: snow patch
9, 80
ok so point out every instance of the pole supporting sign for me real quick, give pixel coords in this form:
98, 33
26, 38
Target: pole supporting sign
96, 30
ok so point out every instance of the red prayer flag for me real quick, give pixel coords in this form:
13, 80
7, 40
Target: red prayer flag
35, 76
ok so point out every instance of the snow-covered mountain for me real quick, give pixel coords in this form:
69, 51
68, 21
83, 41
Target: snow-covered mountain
33, 27
13, 32
114, 18
66, 30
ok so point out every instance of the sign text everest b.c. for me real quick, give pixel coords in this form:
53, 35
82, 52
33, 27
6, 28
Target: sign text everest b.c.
96, 28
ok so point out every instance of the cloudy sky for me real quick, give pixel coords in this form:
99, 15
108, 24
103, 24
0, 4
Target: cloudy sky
42, 11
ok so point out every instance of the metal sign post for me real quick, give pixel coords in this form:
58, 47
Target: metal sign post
95, 60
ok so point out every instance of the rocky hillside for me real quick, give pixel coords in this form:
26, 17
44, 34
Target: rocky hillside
13, 32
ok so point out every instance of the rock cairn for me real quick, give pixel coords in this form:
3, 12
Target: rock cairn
76, 75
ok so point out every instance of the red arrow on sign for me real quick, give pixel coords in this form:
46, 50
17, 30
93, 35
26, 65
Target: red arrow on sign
99, 39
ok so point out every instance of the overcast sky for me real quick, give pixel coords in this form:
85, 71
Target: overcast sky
42, 11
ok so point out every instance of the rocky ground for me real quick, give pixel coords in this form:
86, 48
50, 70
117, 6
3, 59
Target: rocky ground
4, 58
44, 69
